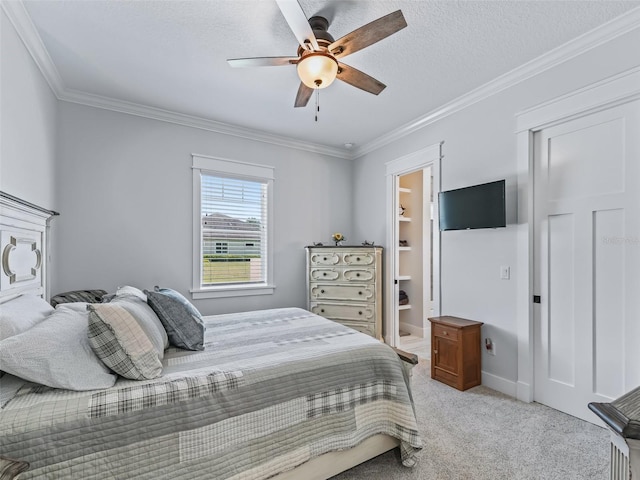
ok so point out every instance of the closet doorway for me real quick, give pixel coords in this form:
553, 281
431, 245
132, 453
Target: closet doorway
412, 278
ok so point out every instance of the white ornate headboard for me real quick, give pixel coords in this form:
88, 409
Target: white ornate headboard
23, 247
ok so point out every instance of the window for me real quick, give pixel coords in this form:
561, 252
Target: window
232, 228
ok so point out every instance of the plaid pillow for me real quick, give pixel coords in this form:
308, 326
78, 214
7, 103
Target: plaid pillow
181, 320
89, 296
120, 342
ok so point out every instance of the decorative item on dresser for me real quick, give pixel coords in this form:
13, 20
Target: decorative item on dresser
345, 285
455, 351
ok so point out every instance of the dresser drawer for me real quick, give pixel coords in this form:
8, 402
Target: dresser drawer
355, 293
359, 313
323, 258
359, 258
342, 274
445, 331
344, 257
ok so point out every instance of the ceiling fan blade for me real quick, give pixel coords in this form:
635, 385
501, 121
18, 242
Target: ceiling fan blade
298, 23
359, 79
303, 95
368, 34
262, 61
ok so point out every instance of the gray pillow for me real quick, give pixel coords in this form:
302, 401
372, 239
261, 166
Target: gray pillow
180, 318
56, 353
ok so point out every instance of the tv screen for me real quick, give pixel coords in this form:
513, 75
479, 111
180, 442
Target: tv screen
479, 206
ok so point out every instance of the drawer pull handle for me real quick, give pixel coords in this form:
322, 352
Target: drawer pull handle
321, 291
358, 259
324, 274
322, 310
435, 352
357, 274
359, 313
325, 259
444, 333
359, 293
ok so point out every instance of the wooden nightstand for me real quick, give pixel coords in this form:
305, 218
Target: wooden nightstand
455, 351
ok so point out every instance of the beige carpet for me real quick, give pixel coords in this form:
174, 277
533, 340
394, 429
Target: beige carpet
481, 434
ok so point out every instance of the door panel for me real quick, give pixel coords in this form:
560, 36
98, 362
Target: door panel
586, 259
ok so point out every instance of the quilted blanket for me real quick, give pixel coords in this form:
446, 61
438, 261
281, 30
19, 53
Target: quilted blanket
272, 390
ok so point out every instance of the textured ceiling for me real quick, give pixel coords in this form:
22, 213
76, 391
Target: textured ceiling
172, 55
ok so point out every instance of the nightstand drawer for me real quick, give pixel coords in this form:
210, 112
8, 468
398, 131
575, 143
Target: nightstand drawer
445, 331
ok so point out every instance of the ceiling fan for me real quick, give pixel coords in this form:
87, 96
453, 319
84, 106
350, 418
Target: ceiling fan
318, 55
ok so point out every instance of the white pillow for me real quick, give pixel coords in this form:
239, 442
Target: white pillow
76, 306
56, 352
129, 290
146, 318
22, 313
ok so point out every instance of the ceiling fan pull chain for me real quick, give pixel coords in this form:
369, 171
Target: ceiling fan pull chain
317, 103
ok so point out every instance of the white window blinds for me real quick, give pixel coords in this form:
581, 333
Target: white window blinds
234, 240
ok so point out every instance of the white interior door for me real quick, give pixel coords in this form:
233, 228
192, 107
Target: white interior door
587, 259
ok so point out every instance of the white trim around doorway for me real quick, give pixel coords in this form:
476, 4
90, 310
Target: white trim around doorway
428, 156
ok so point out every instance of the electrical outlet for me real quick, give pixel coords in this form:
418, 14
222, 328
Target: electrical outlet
489, 346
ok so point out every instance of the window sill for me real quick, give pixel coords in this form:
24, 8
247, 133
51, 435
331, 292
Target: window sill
236, 291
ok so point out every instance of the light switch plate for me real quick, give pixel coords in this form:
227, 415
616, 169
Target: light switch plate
505, 272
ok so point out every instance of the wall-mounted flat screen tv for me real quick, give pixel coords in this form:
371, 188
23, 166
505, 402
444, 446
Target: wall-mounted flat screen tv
478, 206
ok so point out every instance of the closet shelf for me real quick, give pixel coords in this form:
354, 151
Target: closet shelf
404, 249
404, 277
404, 307
404, 190
404, 219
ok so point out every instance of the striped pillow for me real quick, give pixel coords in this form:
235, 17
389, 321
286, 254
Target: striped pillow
121, 343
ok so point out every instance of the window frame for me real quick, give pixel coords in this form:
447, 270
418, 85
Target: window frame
216, 166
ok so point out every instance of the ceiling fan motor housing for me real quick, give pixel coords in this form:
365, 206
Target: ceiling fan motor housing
320, 25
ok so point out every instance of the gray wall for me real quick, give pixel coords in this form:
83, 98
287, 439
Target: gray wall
28, 112
115, 178
480, 146
125, 197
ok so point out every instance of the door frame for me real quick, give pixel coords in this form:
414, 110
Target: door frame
423, 158
610, 92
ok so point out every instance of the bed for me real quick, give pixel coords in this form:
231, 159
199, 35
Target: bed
279, 393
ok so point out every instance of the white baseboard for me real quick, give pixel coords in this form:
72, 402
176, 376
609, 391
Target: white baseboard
524, 393
412, 329
508, 387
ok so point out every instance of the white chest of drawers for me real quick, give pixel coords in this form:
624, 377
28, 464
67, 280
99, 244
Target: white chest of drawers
345, 284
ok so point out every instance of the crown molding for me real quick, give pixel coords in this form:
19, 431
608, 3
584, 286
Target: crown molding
573, 48
21, 21
122, 106
23, 24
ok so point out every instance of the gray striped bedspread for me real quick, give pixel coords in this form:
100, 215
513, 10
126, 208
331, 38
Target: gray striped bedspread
271, 390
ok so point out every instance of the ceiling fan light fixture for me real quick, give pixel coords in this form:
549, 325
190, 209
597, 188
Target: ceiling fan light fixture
317, 69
